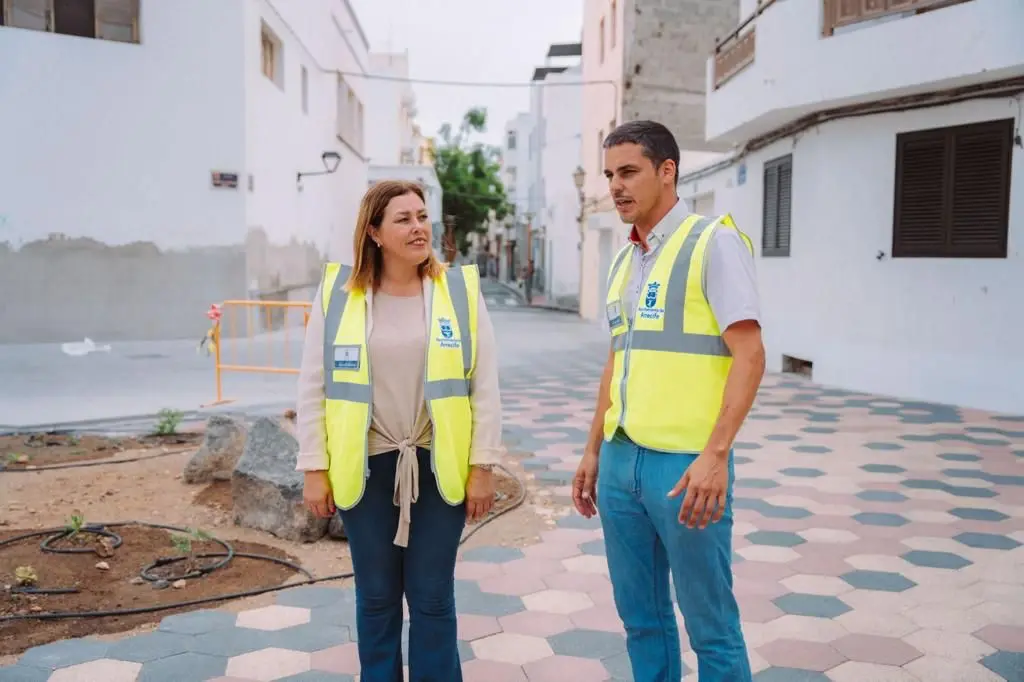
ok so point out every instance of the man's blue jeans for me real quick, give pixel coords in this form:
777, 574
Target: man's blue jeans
424, 572
644, 542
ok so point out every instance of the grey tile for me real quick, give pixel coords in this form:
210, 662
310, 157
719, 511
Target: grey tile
492, 555
310, 637
769, 510
574, 520
811, 449
232, 642
789, 675
183, 667
621, 669
317, 676
555, 476
470, 600
927, 559
465, 652
880, 519
996, 479
883, 581
198, 622
883, 446
775, 538
19, 673
959, 457
883, 468
782, 437
760, 483
882, 496
587, 644
595, 547
746, 445
814, 605
818, 429
987, 541
977, 514
802, 472
150, 646
1008, 664
64, 653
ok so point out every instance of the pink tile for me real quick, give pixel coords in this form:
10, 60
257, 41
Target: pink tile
474, 627
875, 649
1004, 637
342, 659
475, 570
584, 582
106, 669
514, 585
760, 588
603, 617
269, 664
760, 570
536, 623
533, 567
562, 668
552, 550
492, 671
758, 609
567, 536
792, 653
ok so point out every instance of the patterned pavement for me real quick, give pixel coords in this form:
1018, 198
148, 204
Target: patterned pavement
877, 540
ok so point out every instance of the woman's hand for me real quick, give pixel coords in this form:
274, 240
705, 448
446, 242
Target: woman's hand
317, 495
479, 493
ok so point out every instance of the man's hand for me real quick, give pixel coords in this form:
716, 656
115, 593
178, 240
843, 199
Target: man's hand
706, 483
584, 485
479, 493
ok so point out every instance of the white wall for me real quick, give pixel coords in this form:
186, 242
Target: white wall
560, 156
112, 145
520, 160
390, 129
945, 330
293, 227
796, 70
425, 176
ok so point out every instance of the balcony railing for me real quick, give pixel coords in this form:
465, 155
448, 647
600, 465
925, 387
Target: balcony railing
735, 52
841, 13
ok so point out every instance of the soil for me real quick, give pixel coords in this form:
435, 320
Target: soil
115, 587
33, 450
152, 490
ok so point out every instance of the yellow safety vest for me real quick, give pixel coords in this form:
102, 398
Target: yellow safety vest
451, 360
671, 364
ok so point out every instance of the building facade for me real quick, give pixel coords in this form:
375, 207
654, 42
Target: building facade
167, 178
885, 198
518, 174
643, 59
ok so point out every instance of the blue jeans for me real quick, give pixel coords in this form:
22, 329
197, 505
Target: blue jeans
645, 542
424, 572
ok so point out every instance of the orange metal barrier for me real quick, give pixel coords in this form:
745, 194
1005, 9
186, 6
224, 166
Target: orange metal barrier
245, 331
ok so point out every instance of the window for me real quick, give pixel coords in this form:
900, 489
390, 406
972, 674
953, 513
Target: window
601, 41
271, 56
304, 75
115, 20
778, 201
615, 22
349, 117
952, 196
510, 140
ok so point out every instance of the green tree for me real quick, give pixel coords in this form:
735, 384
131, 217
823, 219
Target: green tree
470, 176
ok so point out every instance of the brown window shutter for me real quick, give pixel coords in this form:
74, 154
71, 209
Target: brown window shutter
75, 18
777, 202
770, 217
979, 211
785, 205
920, 194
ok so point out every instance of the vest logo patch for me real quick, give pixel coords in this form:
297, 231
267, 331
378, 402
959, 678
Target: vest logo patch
648, 311
447, 340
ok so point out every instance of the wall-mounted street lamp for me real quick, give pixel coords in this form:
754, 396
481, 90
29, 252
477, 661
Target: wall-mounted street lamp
330, 161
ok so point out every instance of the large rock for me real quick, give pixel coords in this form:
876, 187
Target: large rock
267, 490
222, 447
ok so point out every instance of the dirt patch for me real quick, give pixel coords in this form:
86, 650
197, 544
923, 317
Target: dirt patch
217, 496
33, 450
118, 585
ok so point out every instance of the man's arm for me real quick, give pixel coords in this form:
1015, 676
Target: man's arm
744, 341
604, 401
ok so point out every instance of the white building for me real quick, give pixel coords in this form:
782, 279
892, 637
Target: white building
165, 175
518, 171
879, 171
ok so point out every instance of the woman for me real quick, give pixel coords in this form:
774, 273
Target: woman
399, 425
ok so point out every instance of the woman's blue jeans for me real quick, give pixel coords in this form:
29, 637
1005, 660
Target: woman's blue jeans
645, 543
424, 572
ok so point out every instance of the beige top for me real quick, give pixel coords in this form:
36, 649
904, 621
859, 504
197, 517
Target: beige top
397, 331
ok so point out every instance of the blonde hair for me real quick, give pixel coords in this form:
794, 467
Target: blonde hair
369, 259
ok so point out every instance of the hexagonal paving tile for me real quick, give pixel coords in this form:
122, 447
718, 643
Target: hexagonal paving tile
492, 555
768, 554
775, 538
875, 649
855, 671
587, 644
816, 584
269, 664
479, 670
536, 623
586, 563
987, 541
883, 468
928, 559
198, 622
342, 659
976, 514
801, 654
64, 653
813, 605
562, 668
1008, 664
183, 667
105, 669
595, 547
1005, 637
882, 496
833, 536
878, 580
314, 596
789, 675
558, 601
474, 627
150, 646
17, 673
512, 648
880, 519
271, 618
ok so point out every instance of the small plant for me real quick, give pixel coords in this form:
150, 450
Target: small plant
16, 458
25, 576
184, 544
74, 523
167, 422
73, 440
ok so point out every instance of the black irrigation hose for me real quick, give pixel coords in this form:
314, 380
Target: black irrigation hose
93, 462
69, 533
310, 580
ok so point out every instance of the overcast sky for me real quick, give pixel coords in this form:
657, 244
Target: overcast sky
470, 40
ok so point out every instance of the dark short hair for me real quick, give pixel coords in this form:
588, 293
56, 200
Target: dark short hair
655, 140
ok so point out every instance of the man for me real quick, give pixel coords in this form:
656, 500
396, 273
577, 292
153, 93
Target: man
682, 373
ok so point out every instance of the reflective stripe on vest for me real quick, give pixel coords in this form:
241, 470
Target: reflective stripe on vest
450, 361
678, 344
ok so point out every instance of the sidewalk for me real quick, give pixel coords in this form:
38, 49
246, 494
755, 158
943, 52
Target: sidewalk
876, 540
